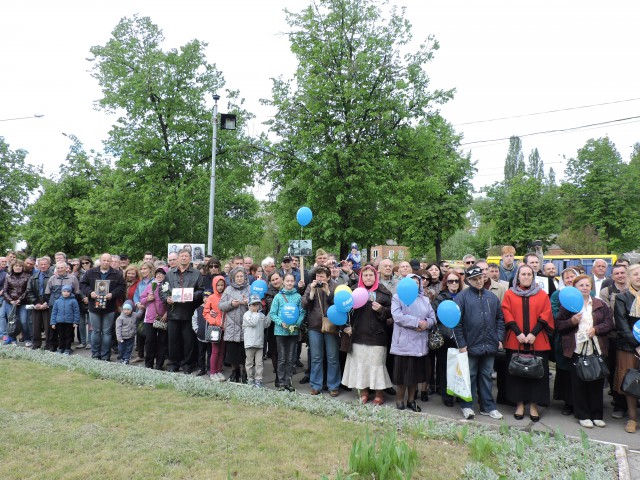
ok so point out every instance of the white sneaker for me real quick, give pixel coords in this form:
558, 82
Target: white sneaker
495, 414
587, 423
468, 413
28, 344
220, 377
599, 423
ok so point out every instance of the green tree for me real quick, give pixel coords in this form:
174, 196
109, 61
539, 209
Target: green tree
535, 168
340, 119
55, 218
593, 191
18, 181
514, 163
159, 190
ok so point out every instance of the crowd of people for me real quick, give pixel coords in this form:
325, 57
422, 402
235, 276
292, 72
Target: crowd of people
179, 315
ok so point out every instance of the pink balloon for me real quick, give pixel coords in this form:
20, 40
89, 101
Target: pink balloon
360, 297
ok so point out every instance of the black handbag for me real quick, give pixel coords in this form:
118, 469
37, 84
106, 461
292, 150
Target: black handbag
436, 339
590, 368
14, 327
212, 334
631, 383
526, 365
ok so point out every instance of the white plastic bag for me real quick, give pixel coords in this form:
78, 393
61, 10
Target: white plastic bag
458, 377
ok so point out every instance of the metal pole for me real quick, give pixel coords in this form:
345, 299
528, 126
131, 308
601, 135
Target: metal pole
212, 188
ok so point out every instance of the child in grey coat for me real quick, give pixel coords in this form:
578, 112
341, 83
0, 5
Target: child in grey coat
254, 323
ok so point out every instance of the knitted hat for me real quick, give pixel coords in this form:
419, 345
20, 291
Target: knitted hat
67, 288
128, 305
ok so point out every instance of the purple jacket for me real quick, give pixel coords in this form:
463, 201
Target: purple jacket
406, 341
155, 307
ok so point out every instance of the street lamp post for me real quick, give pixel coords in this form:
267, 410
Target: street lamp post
212, 186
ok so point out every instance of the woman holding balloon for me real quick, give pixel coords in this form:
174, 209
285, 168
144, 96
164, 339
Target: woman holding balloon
317, 299
287, 314
562, 379
528, 323
627, 315
450, 287
412, 317
584, 323
366, 362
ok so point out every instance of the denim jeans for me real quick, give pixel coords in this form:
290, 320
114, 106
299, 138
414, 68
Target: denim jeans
3, 319
480, 369
319, 345
101, 324
23, 315
125, 348
286, 357
82, 328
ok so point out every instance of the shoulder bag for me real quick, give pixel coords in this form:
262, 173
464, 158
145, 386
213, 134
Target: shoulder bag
631, 383
526, 365
14, 327
590, 368
327, 325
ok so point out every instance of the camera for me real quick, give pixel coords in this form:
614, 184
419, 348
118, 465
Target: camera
320, 284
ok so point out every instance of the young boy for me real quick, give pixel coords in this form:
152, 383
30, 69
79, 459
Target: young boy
254, 323
64, 317
126, 331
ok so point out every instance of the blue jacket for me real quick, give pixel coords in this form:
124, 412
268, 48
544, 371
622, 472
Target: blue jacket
481, 324
276, 310
65, 310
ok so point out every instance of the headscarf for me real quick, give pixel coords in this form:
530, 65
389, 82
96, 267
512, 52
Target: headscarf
361, 284
420, 287
529, 292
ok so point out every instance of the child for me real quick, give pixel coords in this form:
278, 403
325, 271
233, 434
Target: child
64, 317
286, 331
126, 331
253, 324
199, 325
214, 316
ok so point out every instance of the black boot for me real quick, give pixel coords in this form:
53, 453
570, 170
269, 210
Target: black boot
235, 375
244, 376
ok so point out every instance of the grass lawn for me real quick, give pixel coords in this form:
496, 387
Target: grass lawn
62, 424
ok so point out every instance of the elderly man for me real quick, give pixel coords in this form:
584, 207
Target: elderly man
102, 314
598, 274
386, 275
469, 260
182, 339
489, 284
268, 266
404, 269
38, 297
172, 260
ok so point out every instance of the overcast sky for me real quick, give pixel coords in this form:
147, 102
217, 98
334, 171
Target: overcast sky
505, 59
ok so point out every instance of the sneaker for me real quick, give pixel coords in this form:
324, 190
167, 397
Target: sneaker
468, 413
259, 384
314, 392
28, 344
221, 377
618, 413
213, 377
299, 364
250, 382
599, 423
82, 345
631, 426
495, 414
586, 423
67, 352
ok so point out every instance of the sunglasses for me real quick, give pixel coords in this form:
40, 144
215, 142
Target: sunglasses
214, 266
86, 263
453, 281
468, 262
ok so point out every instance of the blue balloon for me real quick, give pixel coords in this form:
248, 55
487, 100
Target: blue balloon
449, 313
259, 287
571, 299
407, 290
304, 216
335, 316
290, 313
343, 301
636, 330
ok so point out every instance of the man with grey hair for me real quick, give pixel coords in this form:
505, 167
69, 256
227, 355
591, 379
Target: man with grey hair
469, 260
268, 266
598, 274
38, 297
172, 260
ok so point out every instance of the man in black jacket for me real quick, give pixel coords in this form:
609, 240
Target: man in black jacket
182, 338
102, 315
37, 296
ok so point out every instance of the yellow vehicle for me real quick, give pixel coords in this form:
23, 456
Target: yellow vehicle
565, 261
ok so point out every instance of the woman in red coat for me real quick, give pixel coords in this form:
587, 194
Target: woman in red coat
528, 323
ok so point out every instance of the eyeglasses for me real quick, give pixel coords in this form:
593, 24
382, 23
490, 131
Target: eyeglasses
214, 266
86, 263
469, 262
453, 281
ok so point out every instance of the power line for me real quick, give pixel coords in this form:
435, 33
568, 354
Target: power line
558, 130
546, 112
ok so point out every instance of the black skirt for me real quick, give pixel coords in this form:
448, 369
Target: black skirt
528, 390
235, 353
409, 370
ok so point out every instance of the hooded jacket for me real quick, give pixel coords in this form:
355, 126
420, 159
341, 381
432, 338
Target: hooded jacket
233, 318
65, 310
406, 341
211, 311
292, 296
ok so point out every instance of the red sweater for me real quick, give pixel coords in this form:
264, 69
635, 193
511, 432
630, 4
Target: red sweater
527, 315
